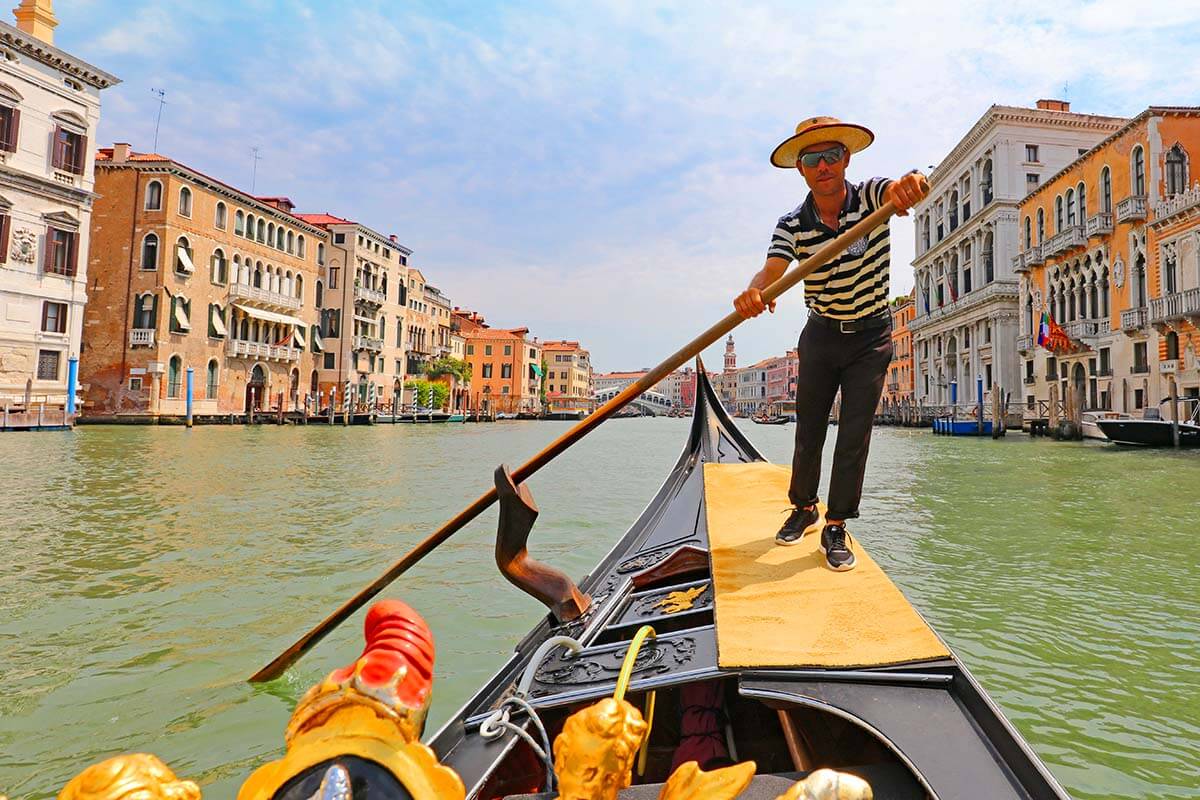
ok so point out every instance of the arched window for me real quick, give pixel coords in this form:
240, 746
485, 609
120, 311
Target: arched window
185, 201
150, 252
1106, 190
183, 256
1176, 170
989, 259
291, 242
300, 288
320, 294
220, 267
300, 246
221, 218
210, 380
237, 269
321, 254
250, 222
144, 316
279, 239
986, 183
260, 233
1081, 191
174, 375
1139, 171
271, 233
154, 196
1170, 271
312, 384
1172, 346
258, 275
239, 223
1070, 206
1058, 214
1041, 226
1028, 233
954, 209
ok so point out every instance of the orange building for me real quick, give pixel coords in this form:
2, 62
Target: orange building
1110, 250
900, 383
188, 272
503, 378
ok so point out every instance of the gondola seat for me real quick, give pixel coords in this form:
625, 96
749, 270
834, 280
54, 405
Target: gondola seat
888, 782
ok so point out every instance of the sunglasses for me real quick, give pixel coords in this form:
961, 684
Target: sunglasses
830, 156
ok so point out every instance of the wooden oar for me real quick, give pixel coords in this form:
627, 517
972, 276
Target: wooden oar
522, 473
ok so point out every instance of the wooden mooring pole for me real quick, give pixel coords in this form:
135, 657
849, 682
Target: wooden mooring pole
1174, 390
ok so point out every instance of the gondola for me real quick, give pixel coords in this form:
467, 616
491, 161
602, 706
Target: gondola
778, 419
734, 656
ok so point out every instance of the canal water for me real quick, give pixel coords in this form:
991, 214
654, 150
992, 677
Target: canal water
149, 571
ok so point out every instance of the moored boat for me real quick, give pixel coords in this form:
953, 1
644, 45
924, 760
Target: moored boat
1089, 422
778, 419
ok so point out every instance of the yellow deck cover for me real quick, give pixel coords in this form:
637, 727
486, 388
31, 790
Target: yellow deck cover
781, 606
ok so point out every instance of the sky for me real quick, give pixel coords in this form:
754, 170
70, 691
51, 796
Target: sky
598, 171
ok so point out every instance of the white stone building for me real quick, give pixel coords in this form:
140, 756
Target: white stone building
49, 109
967, 295
752, 387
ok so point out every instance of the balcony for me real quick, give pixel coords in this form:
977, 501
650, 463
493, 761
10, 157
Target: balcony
367, 343
1018, 263
1133, 319
237, 348
1070, 237
141, 337
1024, 344
1132, 208
1030, 380
1081, 329
1100, 224
966, 300
263, 297
1175, 306
1177, 204
1140, 369
1033, 256
369, 296
1169, 367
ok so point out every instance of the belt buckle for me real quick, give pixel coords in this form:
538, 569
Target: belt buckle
842, 325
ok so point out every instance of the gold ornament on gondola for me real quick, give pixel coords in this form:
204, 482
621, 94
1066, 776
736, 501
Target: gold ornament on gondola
134, 776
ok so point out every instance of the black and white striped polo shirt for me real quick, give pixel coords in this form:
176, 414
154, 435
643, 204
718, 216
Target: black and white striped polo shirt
855, 284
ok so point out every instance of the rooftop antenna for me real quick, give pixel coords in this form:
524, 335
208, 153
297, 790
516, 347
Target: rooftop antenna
161, 94
254, 168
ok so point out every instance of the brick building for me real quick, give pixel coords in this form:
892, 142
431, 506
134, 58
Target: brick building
186, 271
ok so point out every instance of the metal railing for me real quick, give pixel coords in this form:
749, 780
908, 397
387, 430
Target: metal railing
1175, 306
238, 348
1133, 319
1131, 208
141, 337
263, 296
1100, 224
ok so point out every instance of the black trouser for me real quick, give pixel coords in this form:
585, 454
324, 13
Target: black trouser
857, 364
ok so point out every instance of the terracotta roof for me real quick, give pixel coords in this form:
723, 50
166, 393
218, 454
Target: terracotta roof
325, 219
560, 344
105, 154
490, 333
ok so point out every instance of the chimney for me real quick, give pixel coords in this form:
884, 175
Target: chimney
36, 17
120, 153
1054, 105
393, 238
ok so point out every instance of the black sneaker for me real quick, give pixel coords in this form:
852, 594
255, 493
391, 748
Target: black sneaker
837, 552
800, 520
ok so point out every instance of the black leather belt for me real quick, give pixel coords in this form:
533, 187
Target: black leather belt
852, 325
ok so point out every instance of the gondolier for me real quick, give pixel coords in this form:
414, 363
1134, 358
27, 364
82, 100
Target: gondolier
846, 343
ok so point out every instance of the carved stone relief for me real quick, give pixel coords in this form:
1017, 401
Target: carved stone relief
24, 245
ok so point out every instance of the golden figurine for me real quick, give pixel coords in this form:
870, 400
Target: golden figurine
675, 602
134, 776
689, 782
594, 754
373, 709
827, 784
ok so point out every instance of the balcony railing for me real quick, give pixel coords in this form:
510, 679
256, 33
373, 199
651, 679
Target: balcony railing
966, 300
1034, 256
368, 343
1100, 224
237, 348
1169, 366
1175, 306
365, 295
1177, 203
1131, 208
1133, 319
263, 297
141, 337
1024, 344
1086, 328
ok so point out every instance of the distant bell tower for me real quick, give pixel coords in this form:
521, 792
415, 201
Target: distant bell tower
730, 356
36, 17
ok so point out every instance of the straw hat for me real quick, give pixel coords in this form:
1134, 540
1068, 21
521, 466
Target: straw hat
821, 129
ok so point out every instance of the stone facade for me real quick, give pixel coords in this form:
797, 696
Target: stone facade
502, 378
365, 293
49, 109
568, 376
966, 323
189, 272
898, 387
1111, 251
